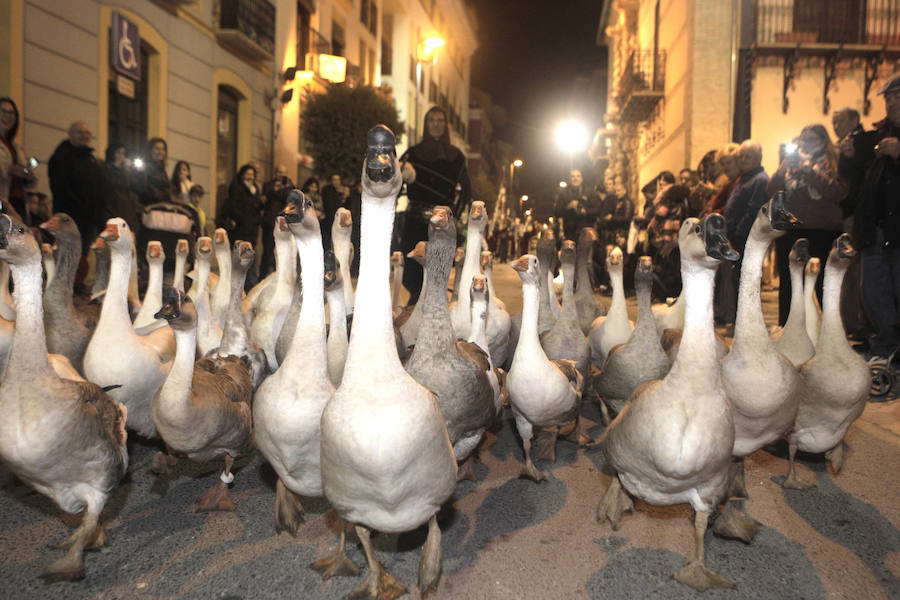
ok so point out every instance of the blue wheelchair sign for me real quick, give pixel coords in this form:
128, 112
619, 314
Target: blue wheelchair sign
125, 47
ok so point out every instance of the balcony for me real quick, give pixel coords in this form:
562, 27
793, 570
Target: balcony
643, 85
248, 28
312, 44
808, 22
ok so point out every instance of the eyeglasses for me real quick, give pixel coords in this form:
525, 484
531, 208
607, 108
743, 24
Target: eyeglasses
7, 111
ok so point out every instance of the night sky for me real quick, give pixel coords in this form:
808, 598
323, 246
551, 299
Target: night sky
530, 53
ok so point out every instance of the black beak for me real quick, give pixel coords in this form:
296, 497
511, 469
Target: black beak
845, 246
332, 265
293, 208
171, 308
717, 245
801, 248
380, 153
781, 218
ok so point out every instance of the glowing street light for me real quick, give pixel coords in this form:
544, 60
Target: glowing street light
571, 136
517, 162
428, 46
524, 198
563, 184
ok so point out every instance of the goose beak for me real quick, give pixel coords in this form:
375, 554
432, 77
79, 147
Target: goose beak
345, 219
51, 225
520, 264
204, 245
568, 248
182, 248
814, 265
171, 308
245, 250
781, 218
111, 233
293, 210
801, 250
46, 249
99, 244
154, 250
614, 258
439, 218
486, 258
845, 246
478, 283
645, 264
221, 236
717, 245
477, 210
282, 223
380, 154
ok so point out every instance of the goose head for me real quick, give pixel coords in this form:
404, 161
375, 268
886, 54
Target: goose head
478, 291
478, 215
546, 248
567, 253
155, 253
282, 231
118, 235
17, 244
242, 255
532, 244
708, 245
487, 260
615, 261
441, 234
182, 248
644, 270
396, 259
62, 227
842, 250
527, 266
813, 266
800, 252
204, 247
343, 224
220, 241
177, 309
418, 253
381, 171
774, 219
333, 280
300, 215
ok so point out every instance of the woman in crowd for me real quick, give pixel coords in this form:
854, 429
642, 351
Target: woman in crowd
726, 181
15, 173
155, 185
241, 213
181, 181
814, 194
120, 196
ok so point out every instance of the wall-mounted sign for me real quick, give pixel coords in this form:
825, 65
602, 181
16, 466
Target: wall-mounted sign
125, 47
125, 86
332, 68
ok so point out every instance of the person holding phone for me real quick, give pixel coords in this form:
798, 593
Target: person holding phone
16, 172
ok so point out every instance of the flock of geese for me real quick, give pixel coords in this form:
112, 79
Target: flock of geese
385, 421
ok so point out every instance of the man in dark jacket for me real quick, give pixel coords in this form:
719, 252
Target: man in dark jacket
77, 187
876, 225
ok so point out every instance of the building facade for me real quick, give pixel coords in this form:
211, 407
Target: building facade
209, 75
688, 76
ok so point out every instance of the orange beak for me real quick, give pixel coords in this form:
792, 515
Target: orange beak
111, 233
99, 244
220, 236
477, 211
204, 245
486, 258
520, 264
51, 225
478, 283
439, 218
154, 249
46, 248
182, 247
246, 249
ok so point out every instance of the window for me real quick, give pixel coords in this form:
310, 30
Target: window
127, 116
364, 12
226, 138
337, 39
304, 19
373, 18
387, 50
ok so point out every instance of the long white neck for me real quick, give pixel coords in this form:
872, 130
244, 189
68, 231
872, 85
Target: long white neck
342, 247
618, 309
223, 260
583, 264
697, 353
114, 312
28, 355
750, 326
200, 292
178, 278
285, 266
372, 346
811, 305
153, 294
478, 333
176, 390
308, 344
831, 335
529, 340
337, 334
471, 267
797, 317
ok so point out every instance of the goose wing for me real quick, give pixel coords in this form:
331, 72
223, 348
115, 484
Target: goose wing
567, 367
228, 376
109, 414
475, 354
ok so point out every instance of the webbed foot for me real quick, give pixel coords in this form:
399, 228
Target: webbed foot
529, 471
699, 577
217, 498
614, 504
792, 482
335, 564
378, 585
288, 510
733, 524
546, 445
68, 568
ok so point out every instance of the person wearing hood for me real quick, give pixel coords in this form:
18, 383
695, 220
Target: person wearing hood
435, 173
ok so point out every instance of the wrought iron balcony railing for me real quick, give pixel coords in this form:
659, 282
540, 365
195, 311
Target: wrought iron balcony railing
870, 22
643, 84
248, 26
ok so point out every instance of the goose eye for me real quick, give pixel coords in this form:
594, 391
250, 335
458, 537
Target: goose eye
697, 230
765, 209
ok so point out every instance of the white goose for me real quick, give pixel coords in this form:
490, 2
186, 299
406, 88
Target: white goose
66, 439
672, 443
116, 355
542, 392
338, 340
209, 336
836, 380
272, 312
761, 384
145, 322
101, 272
461, 311
387, 462
341, 241
614, 328
793, 340
481, 307
811, 308
181, 254
498, 319
221, 293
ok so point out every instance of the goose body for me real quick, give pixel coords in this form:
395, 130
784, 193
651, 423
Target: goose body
145, 322
836, 380
454, 370
209, 336
793, 341
811, 309
65, 439
66, 330
545, 246
760, 382
460, 311
338, 338
588, 309
565, 340
641, 358
387, 461
542, 392
672, 443
614, 328
202, 409
271, 314
116, 355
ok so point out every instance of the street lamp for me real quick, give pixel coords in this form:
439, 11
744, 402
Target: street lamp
571, 137
512, 175
426, 52
563, 184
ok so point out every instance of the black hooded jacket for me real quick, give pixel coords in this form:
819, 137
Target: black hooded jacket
76, 184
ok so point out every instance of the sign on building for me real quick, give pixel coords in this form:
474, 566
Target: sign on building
125, 47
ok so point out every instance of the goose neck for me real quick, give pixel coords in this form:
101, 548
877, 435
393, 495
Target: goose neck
223, 260
697, 352
643, 292
797, 314
568, 311
234, 334
60, 289
154, 281
308, 343
372, 321
478, 331
617, 306
749, 325
28, 355
582, 272
545, 317
832, 328
115, 303
436, 330
337, 314
178, 278
285, 266
530, 309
